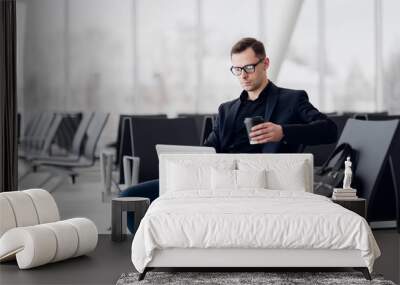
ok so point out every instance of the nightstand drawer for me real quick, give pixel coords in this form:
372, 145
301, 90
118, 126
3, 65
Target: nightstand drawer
357, 206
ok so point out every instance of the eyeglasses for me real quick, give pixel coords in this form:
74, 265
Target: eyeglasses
250, 68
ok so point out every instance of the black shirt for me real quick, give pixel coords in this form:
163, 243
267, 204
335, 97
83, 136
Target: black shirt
239, 141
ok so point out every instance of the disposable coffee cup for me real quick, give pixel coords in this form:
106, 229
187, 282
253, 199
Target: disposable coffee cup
251, 122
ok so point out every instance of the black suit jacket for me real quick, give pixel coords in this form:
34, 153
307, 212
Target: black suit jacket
301, 122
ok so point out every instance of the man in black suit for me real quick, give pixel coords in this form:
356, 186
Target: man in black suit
290, 119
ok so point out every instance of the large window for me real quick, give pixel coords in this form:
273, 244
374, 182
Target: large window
350, 55
391, 55
166, 56
223, 26
300, 68
154, 56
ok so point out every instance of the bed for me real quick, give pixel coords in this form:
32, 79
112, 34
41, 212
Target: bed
246, 211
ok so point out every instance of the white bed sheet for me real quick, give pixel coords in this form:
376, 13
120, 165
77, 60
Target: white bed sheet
252, 218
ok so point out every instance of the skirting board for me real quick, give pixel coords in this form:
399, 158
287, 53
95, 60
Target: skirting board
177, 257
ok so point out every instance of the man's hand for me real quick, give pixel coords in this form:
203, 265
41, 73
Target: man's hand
266, 132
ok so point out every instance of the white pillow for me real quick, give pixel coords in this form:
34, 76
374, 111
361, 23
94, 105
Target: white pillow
185, 175
251, 178
223, 179
226, 179
291, 178
281, 174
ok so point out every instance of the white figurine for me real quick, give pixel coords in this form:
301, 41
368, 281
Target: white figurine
347, 174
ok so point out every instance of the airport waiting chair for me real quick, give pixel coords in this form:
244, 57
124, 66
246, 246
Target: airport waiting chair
43, 148
43, 132
77, 143
386, 187
207, 129
322, 152
31, 124
93, 134
63, 125
140, 135
125, 145
64, 137
365, 115
199, 120
29, 132
29, 128
47, 157
146, 133
117, 143
376, 116
375, 144
39, 137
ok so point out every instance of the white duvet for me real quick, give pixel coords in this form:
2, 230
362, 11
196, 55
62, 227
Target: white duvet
250, 219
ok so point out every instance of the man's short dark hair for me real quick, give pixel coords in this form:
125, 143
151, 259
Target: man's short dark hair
245, 43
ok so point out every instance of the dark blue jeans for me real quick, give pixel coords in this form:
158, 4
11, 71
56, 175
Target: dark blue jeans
148, 189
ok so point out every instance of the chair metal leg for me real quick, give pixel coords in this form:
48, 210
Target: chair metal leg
143, 274
364, 271
73, 178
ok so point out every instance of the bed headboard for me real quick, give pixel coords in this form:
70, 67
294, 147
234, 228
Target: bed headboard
275, 162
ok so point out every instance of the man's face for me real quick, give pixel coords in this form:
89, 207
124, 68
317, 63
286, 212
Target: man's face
250, 81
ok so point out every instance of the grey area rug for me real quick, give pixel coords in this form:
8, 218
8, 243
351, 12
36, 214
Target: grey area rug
228, 278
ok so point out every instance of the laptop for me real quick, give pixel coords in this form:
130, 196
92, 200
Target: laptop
169, 148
